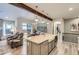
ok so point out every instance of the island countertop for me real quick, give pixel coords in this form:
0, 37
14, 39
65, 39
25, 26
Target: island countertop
41, 38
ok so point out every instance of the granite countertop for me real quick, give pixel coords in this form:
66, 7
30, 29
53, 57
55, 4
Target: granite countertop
41, 38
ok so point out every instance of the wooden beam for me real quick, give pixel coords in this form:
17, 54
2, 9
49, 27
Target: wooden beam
23, 6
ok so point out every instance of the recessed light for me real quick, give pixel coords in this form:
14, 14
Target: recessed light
70, 9
43, 22
36, 20
6, 17
47, 23
58, 22
36, 6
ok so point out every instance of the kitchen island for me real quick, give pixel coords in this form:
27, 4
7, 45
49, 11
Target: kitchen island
41, 44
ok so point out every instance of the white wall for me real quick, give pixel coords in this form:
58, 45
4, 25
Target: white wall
50, 28
68, 23
57, 21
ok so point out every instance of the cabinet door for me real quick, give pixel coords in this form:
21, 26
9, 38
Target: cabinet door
36, 50
53, 44
29, 51
49, 46
44, 48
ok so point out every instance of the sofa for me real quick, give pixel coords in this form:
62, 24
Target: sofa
15, 40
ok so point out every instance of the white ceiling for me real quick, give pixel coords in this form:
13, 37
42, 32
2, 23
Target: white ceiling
57, 10
13, 13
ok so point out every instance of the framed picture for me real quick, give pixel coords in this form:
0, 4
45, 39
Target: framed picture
78, 26
74, 27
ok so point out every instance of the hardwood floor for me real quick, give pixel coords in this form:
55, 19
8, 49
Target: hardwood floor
66, 48
6, 50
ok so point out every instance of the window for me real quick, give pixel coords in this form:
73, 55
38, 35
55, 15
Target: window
26, 27
29, 27
8, 27
42, 27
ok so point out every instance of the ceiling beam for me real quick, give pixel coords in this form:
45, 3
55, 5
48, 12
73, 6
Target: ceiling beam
23, 6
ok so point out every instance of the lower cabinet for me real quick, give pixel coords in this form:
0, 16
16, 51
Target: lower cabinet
43, 48
51, 45
29, 47
37, 49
